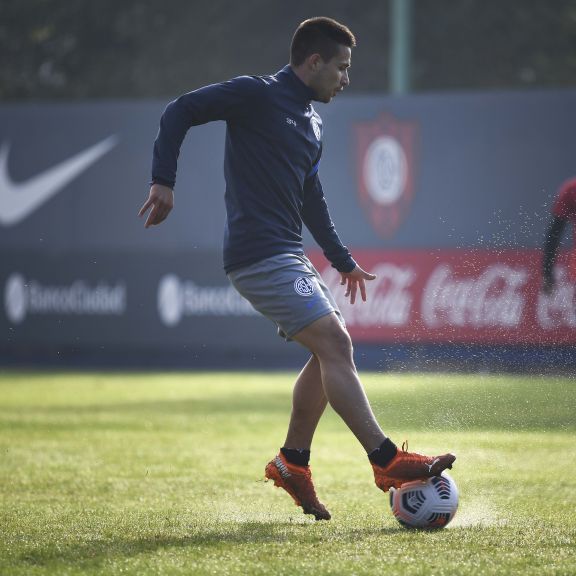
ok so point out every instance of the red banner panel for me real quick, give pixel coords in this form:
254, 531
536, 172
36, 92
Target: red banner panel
457, 296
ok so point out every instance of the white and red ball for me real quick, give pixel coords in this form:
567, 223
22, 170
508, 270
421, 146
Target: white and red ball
428, 504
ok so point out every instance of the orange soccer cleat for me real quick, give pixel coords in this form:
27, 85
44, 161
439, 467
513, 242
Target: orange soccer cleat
407, 466
297, 481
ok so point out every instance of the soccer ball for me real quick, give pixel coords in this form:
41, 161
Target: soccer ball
429, 504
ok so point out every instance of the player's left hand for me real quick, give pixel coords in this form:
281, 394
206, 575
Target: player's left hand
354, 280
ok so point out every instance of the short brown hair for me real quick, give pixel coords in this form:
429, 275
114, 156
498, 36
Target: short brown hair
319, 36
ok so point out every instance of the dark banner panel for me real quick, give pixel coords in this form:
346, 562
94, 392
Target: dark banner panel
467, 178
476, 170
179, 306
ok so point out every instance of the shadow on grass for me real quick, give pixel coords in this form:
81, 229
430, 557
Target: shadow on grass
245, 534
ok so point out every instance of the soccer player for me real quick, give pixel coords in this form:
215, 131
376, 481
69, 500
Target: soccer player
271, 165
563, 211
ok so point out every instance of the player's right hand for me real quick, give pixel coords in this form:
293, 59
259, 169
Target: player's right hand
354, 280
161, 200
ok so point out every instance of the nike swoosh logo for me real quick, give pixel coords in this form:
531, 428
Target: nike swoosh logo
430, 466
19, 199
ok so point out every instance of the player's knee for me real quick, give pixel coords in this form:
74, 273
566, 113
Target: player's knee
339, 344
327, 339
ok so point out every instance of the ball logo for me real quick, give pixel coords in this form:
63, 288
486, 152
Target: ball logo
304, 286
170, 300
16, 299
316, 127
385, 150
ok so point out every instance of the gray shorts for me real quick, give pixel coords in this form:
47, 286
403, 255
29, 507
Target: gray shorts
286, 289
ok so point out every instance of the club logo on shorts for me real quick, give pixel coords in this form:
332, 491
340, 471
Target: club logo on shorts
304, 286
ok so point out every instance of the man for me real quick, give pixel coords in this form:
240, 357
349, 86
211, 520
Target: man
272, 155
563, 211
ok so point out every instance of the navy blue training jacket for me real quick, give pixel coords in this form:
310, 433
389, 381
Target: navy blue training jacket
273, 149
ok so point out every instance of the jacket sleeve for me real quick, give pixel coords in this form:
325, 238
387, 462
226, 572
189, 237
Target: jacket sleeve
225, 101
316, 217
551, 243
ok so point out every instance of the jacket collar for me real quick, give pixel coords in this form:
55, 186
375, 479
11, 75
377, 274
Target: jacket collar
304, 92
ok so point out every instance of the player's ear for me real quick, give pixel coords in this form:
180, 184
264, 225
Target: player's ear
314, 62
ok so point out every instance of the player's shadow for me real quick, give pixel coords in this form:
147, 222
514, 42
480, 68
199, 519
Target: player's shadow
97, 551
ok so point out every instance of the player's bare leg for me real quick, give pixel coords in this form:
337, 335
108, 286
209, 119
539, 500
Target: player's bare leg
327, 339
308, 404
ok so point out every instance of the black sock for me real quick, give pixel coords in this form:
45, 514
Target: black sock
383, 456
297, 456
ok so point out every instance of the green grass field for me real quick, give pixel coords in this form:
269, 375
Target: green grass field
163, 474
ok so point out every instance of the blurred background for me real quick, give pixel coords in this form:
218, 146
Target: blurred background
441, 163
54, 50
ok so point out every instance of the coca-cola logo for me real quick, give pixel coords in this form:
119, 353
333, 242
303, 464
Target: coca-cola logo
467, 296
493, 298
389, 297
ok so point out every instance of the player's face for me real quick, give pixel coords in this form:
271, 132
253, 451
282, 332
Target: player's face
332, 77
